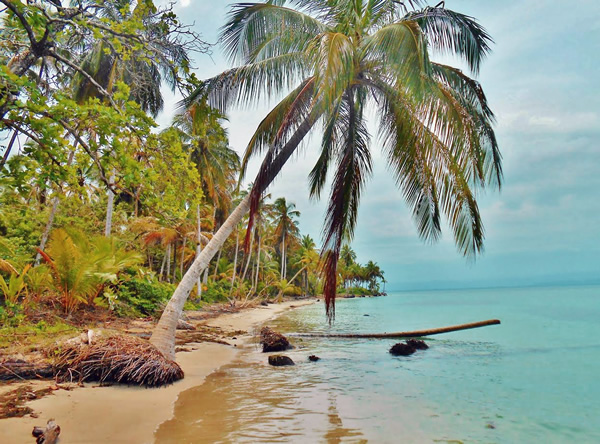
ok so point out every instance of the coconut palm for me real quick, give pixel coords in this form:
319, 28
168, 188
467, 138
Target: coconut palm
286, 229
338, 57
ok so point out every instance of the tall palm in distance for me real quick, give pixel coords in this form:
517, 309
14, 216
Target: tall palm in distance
286, 230
338, 57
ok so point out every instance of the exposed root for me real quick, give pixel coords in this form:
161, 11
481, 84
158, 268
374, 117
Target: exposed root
122, 359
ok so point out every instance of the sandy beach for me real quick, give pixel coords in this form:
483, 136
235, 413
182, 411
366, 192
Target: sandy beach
121, 414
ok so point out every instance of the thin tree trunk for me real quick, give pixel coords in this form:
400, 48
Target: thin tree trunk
8, 149
163, 336
162, 267
198, 251
249, 256
255, 285
182, 256
168, 253
55, 202
110, 206
235, 258
281, 273
174, 261
217, 264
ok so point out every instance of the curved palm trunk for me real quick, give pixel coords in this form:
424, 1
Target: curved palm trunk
163, 336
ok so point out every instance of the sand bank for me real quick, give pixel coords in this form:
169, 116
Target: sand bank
121, 414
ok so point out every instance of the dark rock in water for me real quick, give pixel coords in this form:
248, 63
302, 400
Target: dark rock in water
418, 344
366, 315
313, 358
490, 425
349, 296
273, 341
402, 349
280, 360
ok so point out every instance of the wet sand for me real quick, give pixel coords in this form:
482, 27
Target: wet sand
120, 414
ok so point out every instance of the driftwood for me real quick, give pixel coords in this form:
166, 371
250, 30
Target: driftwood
49, 435
404, 334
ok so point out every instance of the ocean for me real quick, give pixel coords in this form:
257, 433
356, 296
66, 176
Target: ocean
533, 379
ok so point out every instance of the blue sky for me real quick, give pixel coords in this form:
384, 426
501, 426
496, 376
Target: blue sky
543, 227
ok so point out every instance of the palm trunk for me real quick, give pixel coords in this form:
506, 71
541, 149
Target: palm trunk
198, 251
217, 264
255, 285
110, 207
281, 273
249, 257
162, 267
182, 256
235, 258
168, 254
163, 336
174, 261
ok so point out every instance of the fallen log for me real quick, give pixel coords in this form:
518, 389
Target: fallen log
49, 435
402, 334
19, 369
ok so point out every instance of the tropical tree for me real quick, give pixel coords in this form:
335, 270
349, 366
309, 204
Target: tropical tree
338, 57
286, 230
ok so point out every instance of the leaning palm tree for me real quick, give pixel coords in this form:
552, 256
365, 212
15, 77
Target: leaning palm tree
338, 57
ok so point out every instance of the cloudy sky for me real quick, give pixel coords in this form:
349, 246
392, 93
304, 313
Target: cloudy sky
542, 82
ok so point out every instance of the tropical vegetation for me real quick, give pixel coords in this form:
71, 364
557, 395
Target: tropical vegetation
103, 212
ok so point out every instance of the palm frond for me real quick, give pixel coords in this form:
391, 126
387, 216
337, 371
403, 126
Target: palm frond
354, 168
250, 25
454, 33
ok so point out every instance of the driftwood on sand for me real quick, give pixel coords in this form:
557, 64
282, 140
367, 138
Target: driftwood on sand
49, 435
404, 334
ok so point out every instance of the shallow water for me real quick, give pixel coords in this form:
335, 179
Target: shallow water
532, 379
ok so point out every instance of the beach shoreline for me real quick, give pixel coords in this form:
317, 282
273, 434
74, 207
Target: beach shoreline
124, 414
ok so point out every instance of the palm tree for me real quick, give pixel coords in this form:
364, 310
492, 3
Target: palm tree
286, 229
338, 56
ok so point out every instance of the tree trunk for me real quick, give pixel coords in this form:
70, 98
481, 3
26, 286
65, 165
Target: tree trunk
162, 267
8, 149
168, 254
110, 206
282, 273
182, 255
48, 227
163, 336
217, 264
174, 277
235, 258
198, 251
249, 256
255, 284
406, 334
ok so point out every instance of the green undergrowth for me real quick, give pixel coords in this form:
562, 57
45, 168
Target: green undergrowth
32, 337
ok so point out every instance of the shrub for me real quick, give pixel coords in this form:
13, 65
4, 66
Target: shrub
142, 296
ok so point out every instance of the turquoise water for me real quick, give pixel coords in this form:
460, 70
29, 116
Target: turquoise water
535, 378
532, 379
